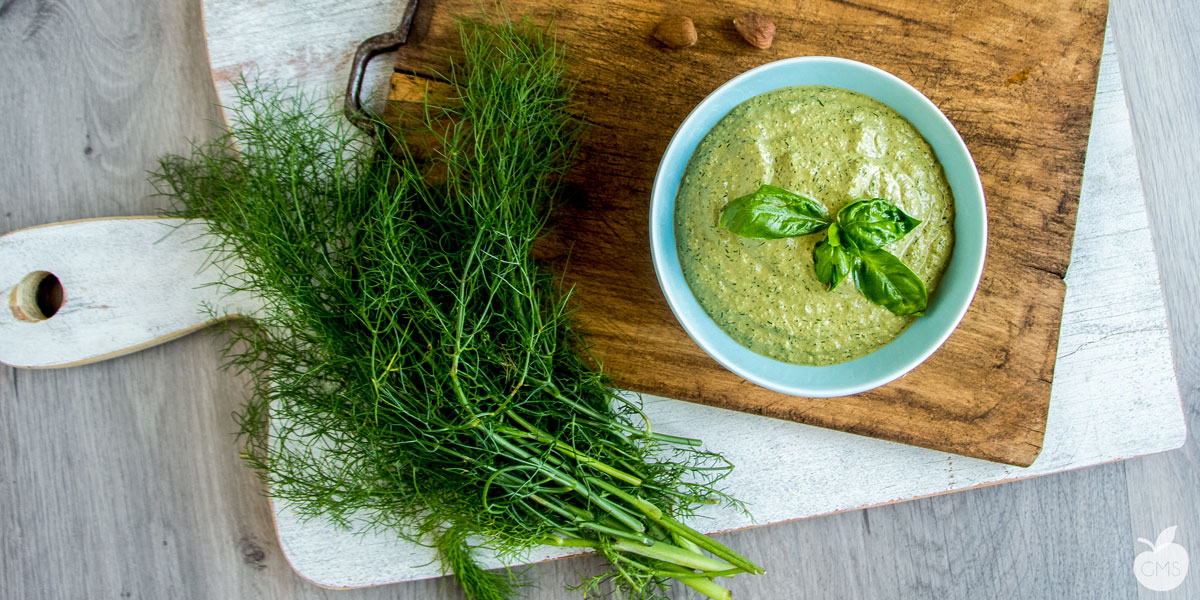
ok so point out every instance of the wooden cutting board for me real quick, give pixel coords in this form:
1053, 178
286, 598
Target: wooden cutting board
1016, 78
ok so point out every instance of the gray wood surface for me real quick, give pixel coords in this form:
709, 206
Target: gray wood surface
121, 479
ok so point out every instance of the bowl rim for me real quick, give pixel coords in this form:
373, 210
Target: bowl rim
878, 367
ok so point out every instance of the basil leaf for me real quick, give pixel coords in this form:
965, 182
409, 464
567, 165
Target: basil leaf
886, 281
772, 213
832, 263
834, 235
832, 260
874, 222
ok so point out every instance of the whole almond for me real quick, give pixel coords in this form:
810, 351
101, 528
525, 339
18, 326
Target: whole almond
676, 32
757, 30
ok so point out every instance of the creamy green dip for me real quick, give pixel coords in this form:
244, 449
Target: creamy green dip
831, 145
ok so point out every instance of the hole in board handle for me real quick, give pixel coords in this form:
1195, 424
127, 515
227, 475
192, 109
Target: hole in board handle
37, 297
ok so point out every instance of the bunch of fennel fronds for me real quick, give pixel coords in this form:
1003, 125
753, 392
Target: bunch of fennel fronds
414, 366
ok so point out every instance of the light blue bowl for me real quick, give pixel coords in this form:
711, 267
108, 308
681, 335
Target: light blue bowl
947, 305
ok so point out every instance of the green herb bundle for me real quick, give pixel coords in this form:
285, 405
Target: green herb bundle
413, 366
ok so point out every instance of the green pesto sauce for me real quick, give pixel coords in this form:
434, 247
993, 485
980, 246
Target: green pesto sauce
831, 145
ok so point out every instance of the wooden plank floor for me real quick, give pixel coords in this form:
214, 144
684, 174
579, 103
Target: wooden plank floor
121, 479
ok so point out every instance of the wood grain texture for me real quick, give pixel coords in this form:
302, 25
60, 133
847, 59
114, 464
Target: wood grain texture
1016, 79
99, 465
263, 47
1161, 42
115, 471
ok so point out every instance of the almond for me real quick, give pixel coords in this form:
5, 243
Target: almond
676, 32
757, 30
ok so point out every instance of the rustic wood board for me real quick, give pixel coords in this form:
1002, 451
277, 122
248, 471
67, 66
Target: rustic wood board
1016, 79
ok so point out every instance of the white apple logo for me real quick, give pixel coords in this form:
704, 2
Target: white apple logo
1164, 566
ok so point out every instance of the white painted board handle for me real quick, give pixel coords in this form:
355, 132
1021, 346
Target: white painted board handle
83, 291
